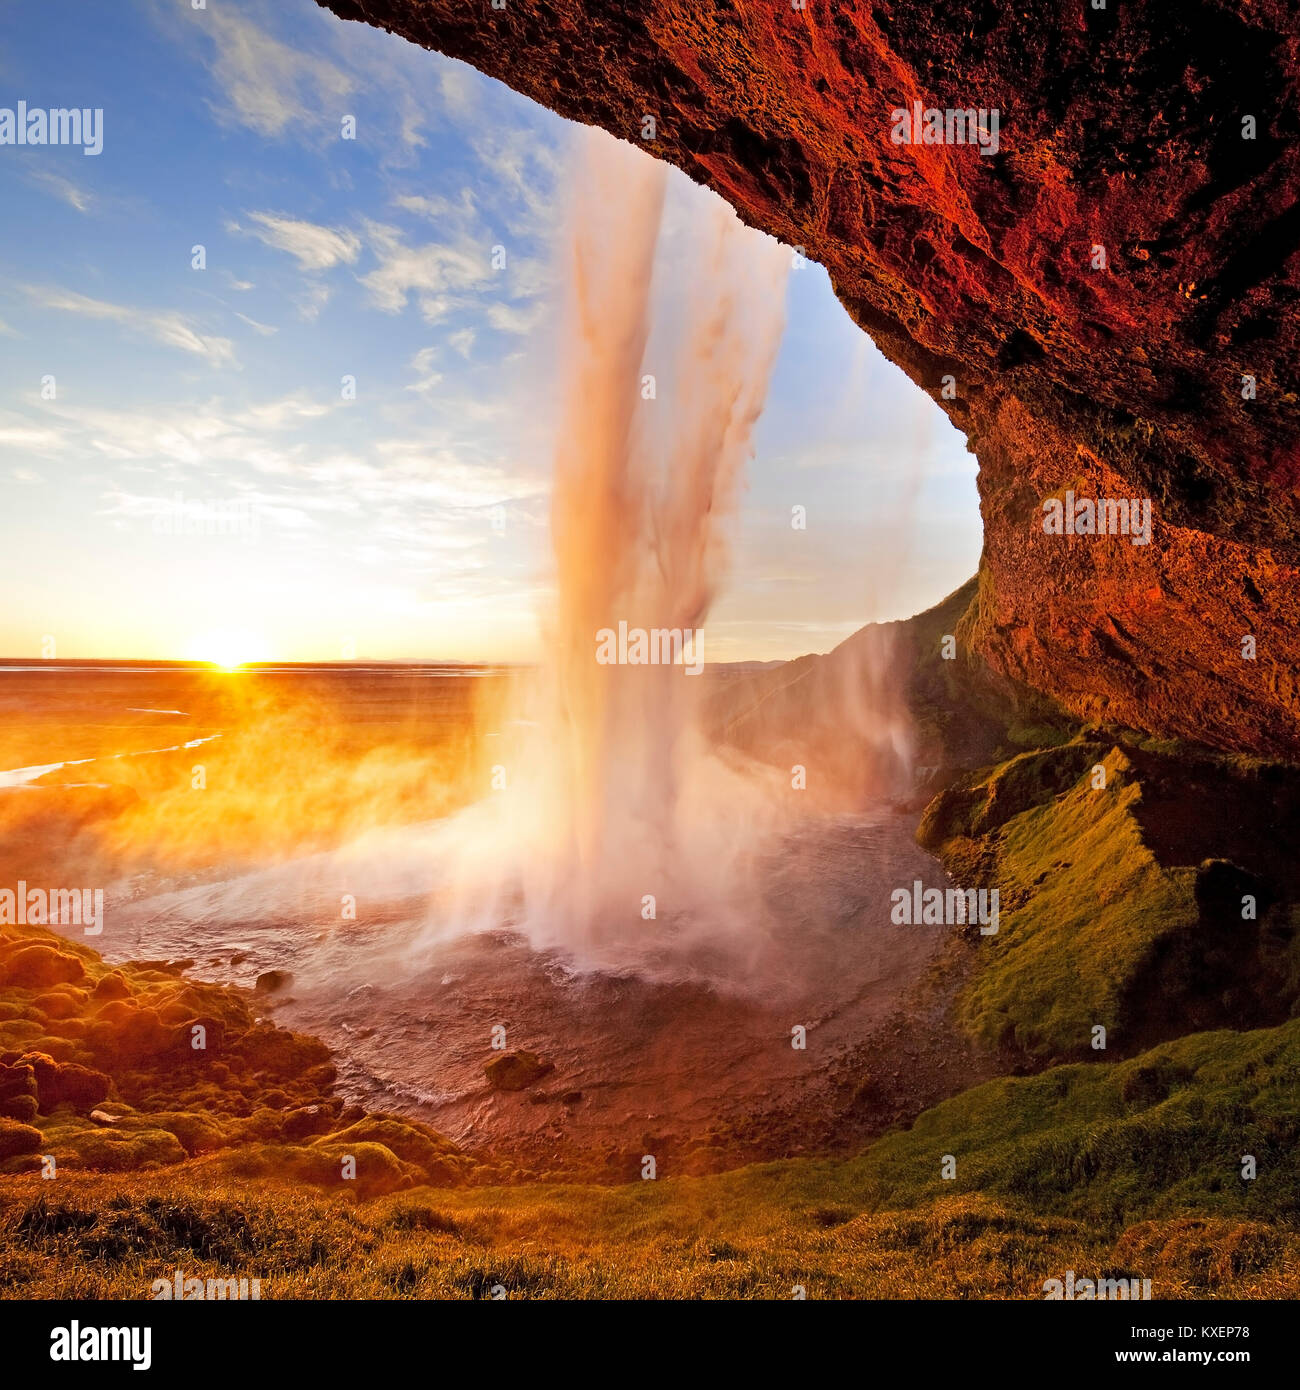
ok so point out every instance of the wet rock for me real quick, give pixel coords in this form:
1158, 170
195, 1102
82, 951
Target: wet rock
273, 981
981, 271
516, 1071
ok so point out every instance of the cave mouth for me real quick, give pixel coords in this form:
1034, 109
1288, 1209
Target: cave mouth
859, 502
319, 865
679, 887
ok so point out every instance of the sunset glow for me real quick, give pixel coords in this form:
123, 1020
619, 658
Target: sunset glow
228, 650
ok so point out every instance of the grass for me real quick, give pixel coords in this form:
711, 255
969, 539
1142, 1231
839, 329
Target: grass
879, 1226
1158, 1136
1128, 1169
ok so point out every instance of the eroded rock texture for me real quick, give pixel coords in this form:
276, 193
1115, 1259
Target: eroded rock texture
1120, 128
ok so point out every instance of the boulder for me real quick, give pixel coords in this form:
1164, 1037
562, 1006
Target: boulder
439, 1159
516, 1071
18, 1095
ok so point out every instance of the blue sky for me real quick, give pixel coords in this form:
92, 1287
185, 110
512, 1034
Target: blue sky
410, 521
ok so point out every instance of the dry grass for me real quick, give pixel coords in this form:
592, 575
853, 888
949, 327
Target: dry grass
755, 1233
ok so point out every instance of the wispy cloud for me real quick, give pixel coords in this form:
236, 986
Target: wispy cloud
312, 300
163, 326
427, 378
265, 329
430, 272
210, 436
59, 187
510, 318
314, 247
269, 86
462, 342
30, 438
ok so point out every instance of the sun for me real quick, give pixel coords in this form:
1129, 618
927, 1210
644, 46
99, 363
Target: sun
227, 650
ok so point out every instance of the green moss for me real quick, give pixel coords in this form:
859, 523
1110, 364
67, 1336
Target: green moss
439, 1160
981, 802
76, 1144
1084, 905
17, 1139
373, 1168
1163, 1133
1120, 898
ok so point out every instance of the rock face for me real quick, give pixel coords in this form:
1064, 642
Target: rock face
1123, 135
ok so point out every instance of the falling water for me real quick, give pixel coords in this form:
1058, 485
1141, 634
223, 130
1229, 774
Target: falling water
616, 825
644, 486
641, 905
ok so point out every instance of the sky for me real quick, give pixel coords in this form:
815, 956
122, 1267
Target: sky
329, 433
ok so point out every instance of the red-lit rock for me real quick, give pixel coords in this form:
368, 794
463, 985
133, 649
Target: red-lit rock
1120, 128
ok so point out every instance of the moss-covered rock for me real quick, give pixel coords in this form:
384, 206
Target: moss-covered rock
115, 1149
16, 1138
438, 1158
1101, 926
65, 1083
39, 966
366, 1168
